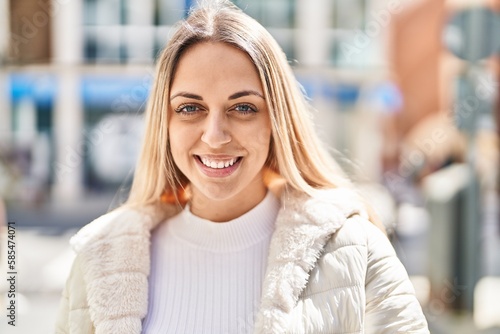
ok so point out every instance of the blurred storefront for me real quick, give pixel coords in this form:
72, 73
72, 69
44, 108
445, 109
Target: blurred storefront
76, 75
441, 149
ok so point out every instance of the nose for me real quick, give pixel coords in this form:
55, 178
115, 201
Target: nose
215, 132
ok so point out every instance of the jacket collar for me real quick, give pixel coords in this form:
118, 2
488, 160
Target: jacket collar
303, 227
114, 255
114, 249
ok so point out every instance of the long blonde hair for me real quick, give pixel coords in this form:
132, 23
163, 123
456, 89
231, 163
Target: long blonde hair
296, 154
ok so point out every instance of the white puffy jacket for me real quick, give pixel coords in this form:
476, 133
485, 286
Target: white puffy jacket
329, 271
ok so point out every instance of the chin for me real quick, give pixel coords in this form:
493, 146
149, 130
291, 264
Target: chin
213, 194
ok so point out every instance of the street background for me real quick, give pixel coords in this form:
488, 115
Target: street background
405, 93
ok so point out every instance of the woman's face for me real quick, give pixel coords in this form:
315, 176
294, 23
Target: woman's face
219, 126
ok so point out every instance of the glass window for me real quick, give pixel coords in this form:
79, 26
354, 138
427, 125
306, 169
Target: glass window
278, 16
356, 37
171, 11
270, 13
348, 14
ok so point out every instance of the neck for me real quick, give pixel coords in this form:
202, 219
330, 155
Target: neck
227, 209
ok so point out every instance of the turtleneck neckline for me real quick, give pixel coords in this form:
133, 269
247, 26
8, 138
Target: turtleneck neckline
237, 234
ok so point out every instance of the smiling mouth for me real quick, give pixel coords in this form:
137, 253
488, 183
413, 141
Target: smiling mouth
218, 163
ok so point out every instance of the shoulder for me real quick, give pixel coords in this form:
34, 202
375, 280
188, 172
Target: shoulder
324, 204
119, 222
340, 271
339, 210
359, 231
348, 257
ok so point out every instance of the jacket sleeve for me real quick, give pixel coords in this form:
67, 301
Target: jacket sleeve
73, 316
62, 326
391, 305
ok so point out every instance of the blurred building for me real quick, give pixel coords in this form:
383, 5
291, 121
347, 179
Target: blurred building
77, 73
75, 77
444, 140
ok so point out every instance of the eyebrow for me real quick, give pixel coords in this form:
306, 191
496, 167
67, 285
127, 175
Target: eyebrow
245, 93
187, 95
234, 96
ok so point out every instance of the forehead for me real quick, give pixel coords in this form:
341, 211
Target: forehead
215, 63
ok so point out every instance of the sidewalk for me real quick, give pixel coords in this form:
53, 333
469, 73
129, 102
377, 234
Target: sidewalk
43, 263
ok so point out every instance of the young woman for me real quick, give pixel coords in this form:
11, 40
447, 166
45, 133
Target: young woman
238, 221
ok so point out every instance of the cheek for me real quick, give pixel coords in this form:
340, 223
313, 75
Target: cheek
177, 143
263, 137
260, 140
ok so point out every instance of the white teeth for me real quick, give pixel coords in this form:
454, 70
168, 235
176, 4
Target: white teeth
217, 164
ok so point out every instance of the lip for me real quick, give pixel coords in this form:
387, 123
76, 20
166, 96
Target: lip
217, 156
218, 172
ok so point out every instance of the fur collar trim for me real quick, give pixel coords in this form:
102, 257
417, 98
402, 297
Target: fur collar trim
114, 250
114, 253
302, 229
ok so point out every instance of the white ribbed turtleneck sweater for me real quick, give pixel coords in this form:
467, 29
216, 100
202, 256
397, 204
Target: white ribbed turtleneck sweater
207, 277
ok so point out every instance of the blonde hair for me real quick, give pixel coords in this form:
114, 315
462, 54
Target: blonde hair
296, 154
